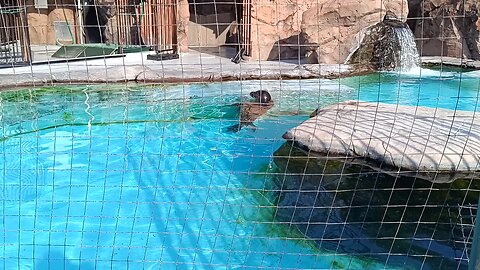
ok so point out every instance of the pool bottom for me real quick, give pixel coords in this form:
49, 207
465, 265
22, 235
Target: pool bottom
148, 178
352, 209
148, 195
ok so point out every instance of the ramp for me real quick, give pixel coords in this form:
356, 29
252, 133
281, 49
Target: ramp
85, 50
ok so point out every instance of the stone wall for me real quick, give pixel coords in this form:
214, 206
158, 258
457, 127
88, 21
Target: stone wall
446, 27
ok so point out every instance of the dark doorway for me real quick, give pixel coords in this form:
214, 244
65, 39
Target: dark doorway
215, 26
94, 23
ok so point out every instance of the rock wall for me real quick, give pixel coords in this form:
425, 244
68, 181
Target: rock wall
446, 27
324, 31
334, 27
183, 18
276, 28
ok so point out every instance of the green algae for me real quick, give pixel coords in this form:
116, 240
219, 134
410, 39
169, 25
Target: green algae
67, 117
390, 210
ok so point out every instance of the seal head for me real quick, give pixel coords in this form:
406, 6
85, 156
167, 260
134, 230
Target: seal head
261, 96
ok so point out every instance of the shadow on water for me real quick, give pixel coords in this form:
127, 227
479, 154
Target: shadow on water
165, 216
57, 261
351, 209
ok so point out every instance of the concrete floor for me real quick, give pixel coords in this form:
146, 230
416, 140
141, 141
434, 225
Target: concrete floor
43, 52
191, 66
197, 65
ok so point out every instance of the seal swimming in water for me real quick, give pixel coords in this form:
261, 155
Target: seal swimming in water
250, 111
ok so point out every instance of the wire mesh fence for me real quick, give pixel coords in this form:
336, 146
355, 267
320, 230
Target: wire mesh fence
204, 134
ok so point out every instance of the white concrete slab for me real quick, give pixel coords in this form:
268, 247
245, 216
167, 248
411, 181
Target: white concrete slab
191, 66
435, 144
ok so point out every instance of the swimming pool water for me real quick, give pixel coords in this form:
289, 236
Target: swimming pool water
128, 177
420, 87
141, 178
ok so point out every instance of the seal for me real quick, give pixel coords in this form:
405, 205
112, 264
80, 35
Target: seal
250, 111
261, 96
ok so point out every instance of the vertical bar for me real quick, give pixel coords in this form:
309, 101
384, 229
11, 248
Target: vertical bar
249, 27
118, 32
168, 25
119, 26
3, 35
245, 30
26, 34
11, 34
159, 26
155, 24
173, 26
163, 21
17, 44
145, 23
79, 11
150, 27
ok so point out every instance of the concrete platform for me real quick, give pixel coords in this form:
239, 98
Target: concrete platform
190, 67
434, 144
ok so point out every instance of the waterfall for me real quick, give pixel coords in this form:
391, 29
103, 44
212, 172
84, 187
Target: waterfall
408, 54
387, 46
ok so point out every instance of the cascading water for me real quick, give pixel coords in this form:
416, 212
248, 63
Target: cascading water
408, 54
388, 45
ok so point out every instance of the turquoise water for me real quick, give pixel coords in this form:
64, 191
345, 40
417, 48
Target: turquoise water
420, 87
128, 177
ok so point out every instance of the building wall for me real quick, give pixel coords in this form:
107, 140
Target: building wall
41, 22
209, 30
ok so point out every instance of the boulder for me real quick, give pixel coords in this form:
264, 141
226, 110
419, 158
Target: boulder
334, 28
388, 45
446, 28
435, 144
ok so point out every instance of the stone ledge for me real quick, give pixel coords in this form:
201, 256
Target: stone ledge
438, 145
450, 61
134, 68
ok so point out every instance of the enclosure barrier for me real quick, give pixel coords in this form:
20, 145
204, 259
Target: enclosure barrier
249, 134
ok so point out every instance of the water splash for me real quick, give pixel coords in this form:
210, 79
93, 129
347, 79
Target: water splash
386, 46
408, 55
